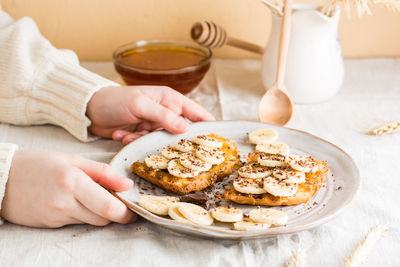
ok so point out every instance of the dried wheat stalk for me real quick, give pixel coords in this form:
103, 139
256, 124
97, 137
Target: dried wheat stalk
391, 4
298, 258
361, 6
386, 128
360, 253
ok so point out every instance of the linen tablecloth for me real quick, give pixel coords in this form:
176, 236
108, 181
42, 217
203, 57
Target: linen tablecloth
231, 90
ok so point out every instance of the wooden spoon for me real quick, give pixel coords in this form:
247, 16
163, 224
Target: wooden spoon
209, 34
276, 107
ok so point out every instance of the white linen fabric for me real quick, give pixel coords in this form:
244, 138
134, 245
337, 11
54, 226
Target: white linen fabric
231, 90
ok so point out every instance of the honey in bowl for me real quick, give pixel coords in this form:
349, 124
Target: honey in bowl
179, 65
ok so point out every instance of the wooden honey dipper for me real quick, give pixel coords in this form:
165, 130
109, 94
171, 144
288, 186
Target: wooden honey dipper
209, 34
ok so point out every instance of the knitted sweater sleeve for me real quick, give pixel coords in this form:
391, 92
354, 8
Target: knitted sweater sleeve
40, 84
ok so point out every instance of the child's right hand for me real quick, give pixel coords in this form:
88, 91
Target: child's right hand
48, 189
126, 113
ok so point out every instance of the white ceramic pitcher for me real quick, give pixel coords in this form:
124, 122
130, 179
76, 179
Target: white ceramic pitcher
314, 70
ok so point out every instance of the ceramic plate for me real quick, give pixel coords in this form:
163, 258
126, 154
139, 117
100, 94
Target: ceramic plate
340, 186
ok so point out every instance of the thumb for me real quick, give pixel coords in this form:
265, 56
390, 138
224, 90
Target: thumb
103, 174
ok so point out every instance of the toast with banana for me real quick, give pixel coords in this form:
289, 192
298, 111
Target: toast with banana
279, 183
189, 165
274, 177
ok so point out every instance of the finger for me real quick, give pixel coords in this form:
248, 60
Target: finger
148, 126
147, 109
108, 132
103, 174
118, 135
99, 201
195, 112
82, 214
132, 137
183, 105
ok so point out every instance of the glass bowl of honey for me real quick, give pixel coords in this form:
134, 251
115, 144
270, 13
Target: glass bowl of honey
180, 65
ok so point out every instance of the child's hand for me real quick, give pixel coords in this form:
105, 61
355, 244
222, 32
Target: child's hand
47, 189
128, 112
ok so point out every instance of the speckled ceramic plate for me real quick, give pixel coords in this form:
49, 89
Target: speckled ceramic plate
340, 186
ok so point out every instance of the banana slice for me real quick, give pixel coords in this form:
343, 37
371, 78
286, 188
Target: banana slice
271, 160
207, 141
302, 164
270, 216
250, 226
190, 161
263, 136
274, 148
170, 153
183, 145
227, 214
290, 176
254, 171
279, 189
156, 162
210, 155
194, 213
175, 214
157, 204
176, 169
249, 186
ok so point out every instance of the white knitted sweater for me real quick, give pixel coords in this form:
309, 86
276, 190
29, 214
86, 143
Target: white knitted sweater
40, 84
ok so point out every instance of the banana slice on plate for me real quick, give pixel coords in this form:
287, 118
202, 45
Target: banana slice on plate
269, 216
176, 169
170, 153
274, 148
190, 161
301, 163
271, 160
156, 161
157, 204
279, 189
207, 141
249, 186
183, 145
254, 171
227, 214
175, 214
194, 213
210, 155
249, 225
263, 136
288, 175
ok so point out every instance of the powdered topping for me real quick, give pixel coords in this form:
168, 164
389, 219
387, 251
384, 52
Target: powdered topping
189, 160
301, 163
156, 162
170, 153
207, 141
254, 170
271, 160
183, 145
210, 155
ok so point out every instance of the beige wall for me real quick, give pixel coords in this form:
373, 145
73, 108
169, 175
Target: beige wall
94, 28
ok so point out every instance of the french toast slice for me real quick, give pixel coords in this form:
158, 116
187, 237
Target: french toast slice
181, 186
304, 193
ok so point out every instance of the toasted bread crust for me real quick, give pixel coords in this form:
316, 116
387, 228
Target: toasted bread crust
304, 193
182, 186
